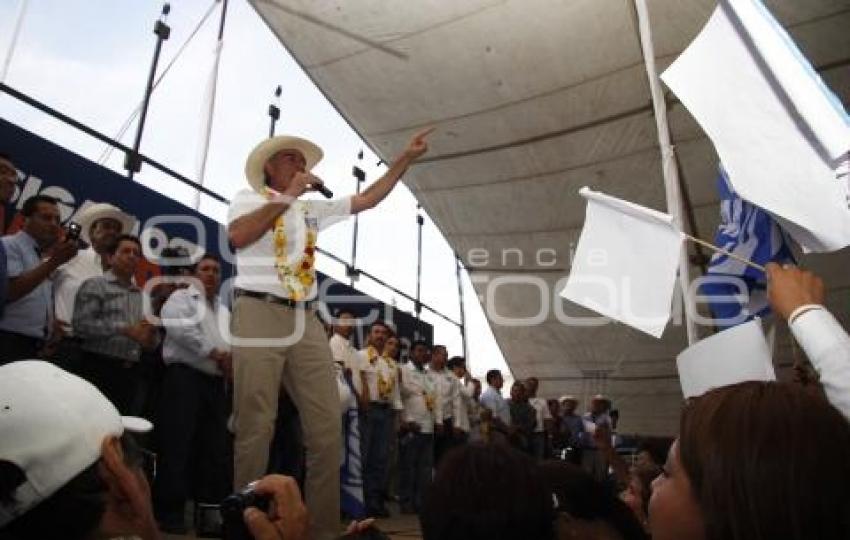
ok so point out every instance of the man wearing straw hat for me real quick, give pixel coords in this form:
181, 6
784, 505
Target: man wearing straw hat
276, 336
100, 225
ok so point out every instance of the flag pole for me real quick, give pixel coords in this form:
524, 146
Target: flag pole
725, 252
669, 164
13, 41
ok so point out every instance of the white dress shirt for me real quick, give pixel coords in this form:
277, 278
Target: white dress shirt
542, 410
193, 328
387, 370
467, 391
418, 388
448, 388
67, 280
344, 352
255, 262
828, 347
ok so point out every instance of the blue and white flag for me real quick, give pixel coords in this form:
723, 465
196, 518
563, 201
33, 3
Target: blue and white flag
738, 292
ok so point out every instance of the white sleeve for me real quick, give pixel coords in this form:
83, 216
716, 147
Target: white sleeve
244, 202
330, 212
457, 400
337, 350
828, 347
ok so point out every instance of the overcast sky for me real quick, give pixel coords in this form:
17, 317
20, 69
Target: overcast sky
90, 59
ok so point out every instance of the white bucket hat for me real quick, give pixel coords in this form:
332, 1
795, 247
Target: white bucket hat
256, 162
52, 426
90, 214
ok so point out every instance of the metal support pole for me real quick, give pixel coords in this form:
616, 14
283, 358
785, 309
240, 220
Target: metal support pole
418, 304
351, 269
274, 111
462, 311
669, 163
132, 161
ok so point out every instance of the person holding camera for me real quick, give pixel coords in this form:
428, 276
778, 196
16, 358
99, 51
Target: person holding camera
32, 255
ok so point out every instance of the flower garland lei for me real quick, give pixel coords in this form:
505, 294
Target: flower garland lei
299, 277
385, 386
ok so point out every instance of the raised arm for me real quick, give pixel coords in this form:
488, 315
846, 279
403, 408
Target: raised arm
24, 282
376, 193
798, 296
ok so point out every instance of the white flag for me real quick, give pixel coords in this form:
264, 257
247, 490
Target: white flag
625, 263
736, 355
780, 133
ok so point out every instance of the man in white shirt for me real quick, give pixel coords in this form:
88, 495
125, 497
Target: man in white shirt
382, 400
446, 432
100, 226
544, 419
344, 353
416, 447
278, 338
465, 418
192, 420
492, 400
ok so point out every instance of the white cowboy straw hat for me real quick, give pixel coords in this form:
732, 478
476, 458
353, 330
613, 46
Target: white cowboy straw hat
568, 398
90, 214
261, 153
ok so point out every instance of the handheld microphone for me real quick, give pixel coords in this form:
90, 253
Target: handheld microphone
320, 187
324, 191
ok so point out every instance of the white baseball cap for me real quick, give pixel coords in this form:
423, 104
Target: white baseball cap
52, 426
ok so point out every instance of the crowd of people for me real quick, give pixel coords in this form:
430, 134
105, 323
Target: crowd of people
752, 460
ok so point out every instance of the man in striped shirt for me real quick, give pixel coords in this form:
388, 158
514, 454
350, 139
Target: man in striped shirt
108, 318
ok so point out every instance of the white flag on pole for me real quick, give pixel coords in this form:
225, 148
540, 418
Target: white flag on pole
736, 355
783, 137
625, 263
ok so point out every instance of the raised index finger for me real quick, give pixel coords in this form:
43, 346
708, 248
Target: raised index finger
421, 134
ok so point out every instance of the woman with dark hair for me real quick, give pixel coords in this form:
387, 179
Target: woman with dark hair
487, 492
755, 461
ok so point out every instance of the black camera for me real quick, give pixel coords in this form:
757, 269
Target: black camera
233, 509
73, 231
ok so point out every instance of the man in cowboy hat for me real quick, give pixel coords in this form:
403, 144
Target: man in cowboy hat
592, 460
276, 336
100, 225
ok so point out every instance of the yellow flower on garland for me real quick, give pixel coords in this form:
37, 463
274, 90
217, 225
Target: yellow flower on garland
430, 402
297, 278
385, 386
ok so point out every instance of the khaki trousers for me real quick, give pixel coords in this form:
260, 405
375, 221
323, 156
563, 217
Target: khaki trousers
305, 367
